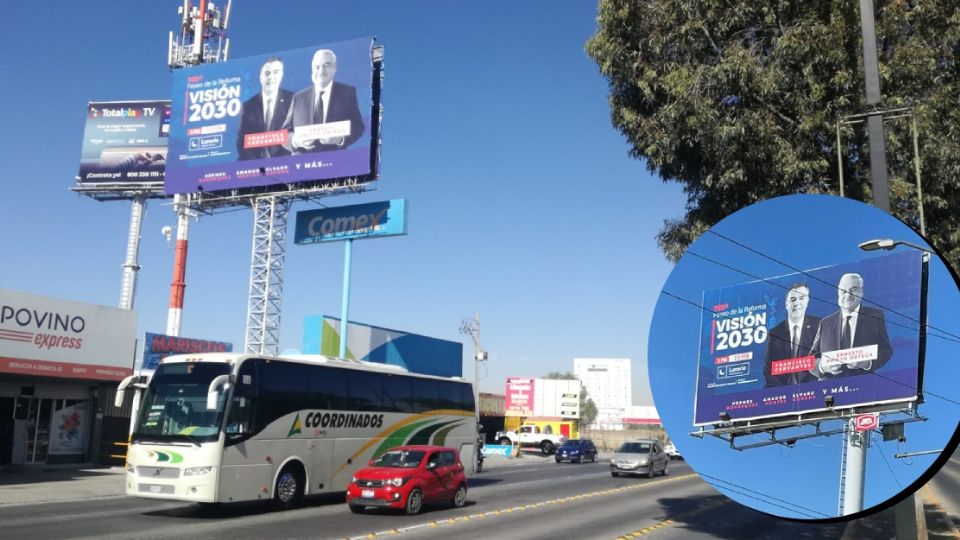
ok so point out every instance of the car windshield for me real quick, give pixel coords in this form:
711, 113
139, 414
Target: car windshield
574, 443
175, 405
401, 459
635, 448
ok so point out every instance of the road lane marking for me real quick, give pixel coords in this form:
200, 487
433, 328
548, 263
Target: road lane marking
667, 522
603, 492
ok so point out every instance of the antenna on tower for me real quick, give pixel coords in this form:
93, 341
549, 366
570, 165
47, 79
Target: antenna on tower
202, 38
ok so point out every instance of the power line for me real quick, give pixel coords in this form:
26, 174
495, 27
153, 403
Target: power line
795, 269
889, 468
770, 336
792, 506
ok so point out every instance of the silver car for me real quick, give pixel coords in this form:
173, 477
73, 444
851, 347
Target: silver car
643, 456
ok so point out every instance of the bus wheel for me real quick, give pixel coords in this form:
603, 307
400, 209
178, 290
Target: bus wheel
289, 488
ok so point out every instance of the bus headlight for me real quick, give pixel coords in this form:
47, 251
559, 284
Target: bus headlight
196, 471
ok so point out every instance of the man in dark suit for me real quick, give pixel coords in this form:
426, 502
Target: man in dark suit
324, 102
792, 338
855, 325
264, 112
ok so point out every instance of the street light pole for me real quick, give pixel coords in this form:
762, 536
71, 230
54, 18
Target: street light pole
471, 327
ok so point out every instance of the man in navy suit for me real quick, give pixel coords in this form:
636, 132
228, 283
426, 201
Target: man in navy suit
854, 325
792, 338
264, 112
324, 102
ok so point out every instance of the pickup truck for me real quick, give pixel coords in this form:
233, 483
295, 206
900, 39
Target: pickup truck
532, 437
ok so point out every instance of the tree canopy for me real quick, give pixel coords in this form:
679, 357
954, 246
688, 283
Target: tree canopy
738, 101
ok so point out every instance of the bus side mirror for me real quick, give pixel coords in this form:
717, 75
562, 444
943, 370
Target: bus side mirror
136, 381
213, 394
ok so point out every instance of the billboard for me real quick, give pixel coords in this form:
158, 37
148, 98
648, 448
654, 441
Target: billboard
156, 347
125, 142
555, 398
417, 353
281, 118
784, 345
519, 394
57, 338
370, 220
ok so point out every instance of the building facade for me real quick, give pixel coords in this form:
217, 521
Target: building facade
608, 383
60, 362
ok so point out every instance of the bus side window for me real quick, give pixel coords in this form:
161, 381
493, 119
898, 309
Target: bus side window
240, 420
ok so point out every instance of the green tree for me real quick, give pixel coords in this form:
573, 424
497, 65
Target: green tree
588, 409
738, 100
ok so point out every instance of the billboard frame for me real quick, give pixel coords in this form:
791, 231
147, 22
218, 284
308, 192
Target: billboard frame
202, 199
828, 411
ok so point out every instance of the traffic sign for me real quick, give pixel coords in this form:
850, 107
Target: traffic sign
866, 422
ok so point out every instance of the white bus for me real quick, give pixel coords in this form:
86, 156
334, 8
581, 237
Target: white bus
222, 427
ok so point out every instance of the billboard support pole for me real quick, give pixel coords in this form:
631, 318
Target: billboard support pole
857, 443
128, 287
345, 305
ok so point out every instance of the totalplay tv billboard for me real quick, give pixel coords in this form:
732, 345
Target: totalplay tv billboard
124, 142
279, 118
783, 345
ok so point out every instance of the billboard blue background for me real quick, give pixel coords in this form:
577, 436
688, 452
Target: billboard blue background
891, 283
217, 167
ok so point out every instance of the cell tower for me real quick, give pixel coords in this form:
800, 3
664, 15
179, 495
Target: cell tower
202, 39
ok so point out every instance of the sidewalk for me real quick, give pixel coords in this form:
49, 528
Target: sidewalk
29, 485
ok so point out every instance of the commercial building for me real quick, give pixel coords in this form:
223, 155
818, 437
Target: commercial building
608, 383
60, 362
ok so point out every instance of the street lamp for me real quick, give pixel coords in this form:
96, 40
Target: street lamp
888, 244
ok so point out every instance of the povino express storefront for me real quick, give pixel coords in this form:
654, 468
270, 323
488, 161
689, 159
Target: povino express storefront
60, 362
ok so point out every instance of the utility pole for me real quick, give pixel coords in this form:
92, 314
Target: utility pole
471, 327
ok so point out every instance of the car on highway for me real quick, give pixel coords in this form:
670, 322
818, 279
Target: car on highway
407, 477
642, 456
672, 451
577, 451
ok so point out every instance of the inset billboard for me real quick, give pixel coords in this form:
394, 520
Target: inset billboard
296, 116
847, 334
125, 142
156, 347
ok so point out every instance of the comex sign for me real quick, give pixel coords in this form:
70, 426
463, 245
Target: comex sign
387, 218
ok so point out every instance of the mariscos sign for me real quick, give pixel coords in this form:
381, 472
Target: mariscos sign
57, 338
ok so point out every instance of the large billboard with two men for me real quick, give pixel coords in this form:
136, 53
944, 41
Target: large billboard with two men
296, 116
845, 335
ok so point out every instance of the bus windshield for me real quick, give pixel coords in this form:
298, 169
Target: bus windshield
175, 406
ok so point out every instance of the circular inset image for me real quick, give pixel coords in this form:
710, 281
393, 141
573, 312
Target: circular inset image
803, 358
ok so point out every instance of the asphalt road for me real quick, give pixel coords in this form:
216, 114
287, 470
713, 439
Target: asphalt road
543, 500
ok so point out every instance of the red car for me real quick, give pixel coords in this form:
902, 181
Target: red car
408, 477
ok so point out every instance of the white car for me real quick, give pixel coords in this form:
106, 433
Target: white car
672, 451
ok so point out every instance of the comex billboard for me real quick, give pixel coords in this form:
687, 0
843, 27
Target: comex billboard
289, 117
783, 345
57, 338
125, 142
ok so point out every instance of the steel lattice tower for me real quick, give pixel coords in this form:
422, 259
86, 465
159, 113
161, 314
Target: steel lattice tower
266, 274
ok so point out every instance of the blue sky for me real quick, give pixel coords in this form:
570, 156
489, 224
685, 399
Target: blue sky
524, 206
805, 232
